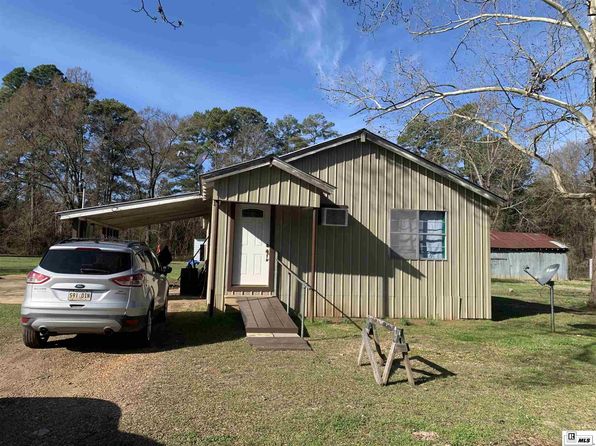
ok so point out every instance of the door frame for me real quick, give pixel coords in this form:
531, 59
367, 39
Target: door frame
231, 241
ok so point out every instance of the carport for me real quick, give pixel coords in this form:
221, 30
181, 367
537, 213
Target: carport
112, 218
108, 220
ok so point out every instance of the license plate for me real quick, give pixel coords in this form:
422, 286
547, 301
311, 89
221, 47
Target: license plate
79, 295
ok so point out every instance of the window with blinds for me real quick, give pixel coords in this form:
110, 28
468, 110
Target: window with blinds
416, 234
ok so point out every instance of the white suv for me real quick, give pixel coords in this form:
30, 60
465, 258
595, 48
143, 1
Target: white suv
88, 286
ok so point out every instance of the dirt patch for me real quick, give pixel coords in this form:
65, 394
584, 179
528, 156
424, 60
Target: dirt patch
12, 287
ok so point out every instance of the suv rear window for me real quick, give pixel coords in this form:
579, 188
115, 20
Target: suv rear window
85, 261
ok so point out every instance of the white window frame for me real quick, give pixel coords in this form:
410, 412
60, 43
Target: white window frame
393, 254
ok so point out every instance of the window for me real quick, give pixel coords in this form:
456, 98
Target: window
143, 261
152, 260
85, 261
252, 213
417, 234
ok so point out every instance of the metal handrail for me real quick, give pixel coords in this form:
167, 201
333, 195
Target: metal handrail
305, 286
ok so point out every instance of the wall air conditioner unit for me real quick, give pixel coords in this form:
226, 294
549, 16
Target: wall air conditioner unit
334, 216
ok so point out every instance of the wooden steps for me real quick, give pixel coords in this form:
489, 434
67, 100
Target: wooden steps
278, 343
266, 315
268, 326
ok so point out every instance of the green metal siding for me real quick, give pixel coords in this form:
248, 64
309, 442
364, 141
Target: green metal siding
354, 268
266, 185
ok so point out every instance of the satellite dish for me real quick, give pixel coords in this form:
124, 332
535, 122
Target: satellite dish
548, 274
546, 279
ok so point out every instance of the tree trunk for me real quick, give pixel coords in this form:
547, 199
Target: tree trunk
592, 132
592, 300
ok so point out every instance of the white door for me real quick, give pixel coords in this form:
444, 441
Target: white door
252, 227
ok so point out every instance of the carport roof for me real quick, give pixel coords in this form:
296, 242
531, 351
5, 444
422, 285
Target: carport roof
131, 214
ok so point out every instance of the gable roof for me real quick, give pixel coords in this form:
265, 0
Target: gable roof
364, 134
269, 160
526, 241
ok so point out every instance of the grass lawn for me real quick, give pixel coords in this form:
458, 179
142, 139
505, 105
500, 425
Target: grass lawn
497, 382
17, 265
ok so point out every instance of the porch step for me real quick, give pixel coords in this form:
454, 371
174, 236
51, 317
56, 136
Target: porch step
268, 326
232, 300
278, 343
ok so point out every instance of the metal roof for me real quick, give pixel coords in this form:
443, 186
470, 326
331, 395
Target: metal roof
148, 211
364, 134
525, 241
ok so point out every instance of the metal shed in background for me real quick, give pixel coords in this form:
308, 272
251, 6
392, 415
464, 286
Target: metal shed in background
511, 252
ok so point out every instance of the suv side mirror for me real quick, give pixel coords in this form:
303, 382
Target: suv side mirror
165, 269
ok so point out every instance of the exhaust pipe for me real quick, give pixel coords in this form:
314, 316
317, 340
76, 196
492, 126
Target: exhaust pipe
108, 331
43, 331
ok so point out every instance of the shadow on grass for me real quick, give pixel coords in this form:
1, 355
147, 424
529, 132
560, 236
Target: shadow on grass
183, 329
584, 326
436, 372
588, 354
63, 421
504, 308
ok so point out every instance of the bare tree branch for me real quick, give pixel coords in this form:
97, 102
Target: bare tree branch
160, 12
432, 95
556, 175
513, 19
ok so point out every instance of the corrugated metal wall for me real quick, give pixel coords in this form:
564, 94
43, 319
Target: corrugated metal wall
354, 268
266, 185
511, 264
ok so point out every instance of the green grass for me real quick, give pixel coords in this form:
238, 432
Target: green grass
512, 379
17, 265
499, 382
176, 265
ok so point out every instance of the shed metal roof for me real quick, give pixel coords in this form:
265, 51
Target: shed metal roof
526, 241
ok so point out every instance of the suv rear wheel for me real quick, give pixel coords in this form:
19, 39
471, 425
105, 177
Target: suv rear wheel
145, 335
163, 313
33, 339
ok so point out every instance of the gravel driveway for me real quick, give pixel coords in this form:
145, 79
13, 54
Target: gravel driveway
81, 389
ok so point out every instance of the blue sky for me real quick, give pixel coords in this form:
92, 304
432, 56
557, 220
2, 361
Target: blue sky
265, 54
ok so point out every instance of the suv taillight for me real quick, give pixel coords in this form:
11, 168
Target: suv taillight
35, 278
131, 280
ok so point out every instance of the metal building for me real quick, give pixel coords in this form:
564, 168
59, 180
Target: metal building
368, 227
511, 252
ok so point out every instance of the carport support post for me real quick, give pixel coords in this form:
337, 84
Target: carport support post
313, 265
211, 258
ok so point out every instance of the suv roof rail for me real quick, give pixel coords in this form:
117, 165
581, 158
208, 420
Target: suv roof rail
68, 240
129, 243
135, 243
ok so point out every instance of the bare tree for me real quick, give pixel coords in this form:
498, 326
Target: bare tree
161, 14
534, 59
156, 153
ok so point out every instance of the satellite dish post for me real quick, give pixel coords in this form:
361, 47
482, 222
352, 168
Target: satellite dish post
547, 279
